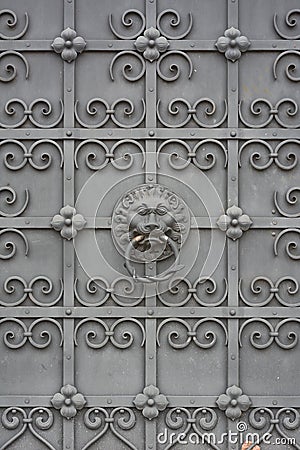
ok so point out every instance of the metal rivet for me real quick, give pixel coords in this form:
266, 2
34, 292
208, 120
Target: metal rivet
26, 401
69, 265
275, 313
150, 312
192, 44
273, 211
69, 90
233, 267
68, 356
69, 133
233, 89
274, 402
27, 311
109, 311
150, 446
192, 401
27, 133
68, 311
69, 178
28, 44
274, 222
233, 133
274, 45
192, 311
274, 134
150, 178
110, 133
151, 133
69, 1
192, 133
151, 357
233, 357
110, 45
273, 234
68, 446
151, 89
109, 401
233, 312
27, 222
150, 267
233, 178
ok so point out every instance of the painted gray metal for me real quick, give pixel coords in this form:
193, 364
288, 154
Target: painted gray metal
190, 110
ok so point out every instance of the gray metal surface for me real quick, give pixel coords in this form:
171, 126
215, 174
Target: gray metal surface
149, 224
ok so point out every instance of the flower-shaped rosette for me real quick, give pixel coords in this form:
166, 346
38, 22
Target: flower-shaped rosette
68, 222
151, 44
151, 402
232, 44
234, 222
233, 402
68, 401
69, 45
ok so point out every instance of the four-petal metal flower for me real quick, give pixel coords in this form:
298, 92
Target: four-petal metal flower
151, 44
151, 402
233, 402
234, 222
68, 44
68, 401
232, 44
68, 222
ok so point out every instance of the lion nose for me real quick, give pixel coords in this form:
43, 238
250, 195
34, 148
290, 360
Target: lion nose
152, 226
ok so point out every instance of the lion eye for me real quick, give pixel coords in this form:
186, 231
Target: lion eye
143, 210
161, 210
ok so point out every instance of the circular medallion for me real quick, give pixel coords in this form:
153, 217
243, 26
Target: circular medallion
147, 215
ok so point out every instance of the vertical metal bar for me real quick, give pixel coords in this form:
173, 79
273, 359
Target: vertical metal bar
232, 199
150, 269
68, 260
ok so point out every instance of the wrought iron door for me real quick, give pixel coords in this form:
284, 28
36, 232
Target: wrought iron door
149, 229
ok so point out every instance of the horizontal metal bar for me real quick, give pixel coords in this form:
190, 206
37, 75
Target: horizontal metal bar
183, 401
141, 312
143, 133
194, 45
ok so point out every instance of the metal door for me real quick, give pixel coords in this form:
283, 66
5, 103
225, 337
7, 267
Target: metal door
149, 224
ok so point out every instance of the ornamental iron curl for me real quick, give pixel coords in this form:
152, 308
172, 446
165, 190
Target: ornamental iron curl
109, 333
97, 418
256, 109
263, 297
290, 245
9, 245
291, 67
182, 289
39, 418
290, 21
28, 155
191, 334
280, 420
110, 112
272, 334
272, 155
10, 199
200, 152
123, 291
28, 112
199, 421
291, 198
25, 333
120, 161
10, 69
38, 284
11, 23
206, 106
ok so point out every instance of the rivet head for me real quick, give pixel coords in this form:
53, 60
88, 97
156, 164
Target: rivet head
28, 44
151, 133
233, 267
232, 312
150, 312
273, 211
27, 133
109, 401
274, 45
27, 222
192, 401
27, 311
150, 178
274, 402
110, 45
192, 311
233, 357
273, 233
192, 133
68, 312
274, 222
69, 178
151, 357
274, 134
232, 133
151, 89
69, 133
192, 44
69, 90
26, 401
110, 133
233, 89
69, 357
233, 178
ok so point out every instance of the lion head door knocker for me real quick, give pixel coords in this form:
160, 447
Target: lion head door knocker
150, 223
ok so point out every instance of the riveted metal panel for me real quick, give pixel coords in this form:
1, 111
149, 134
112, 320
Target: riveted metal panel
149, 224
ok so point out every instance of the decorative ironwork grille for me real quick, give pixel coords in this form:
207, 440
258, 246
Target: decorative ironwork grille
185, 115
